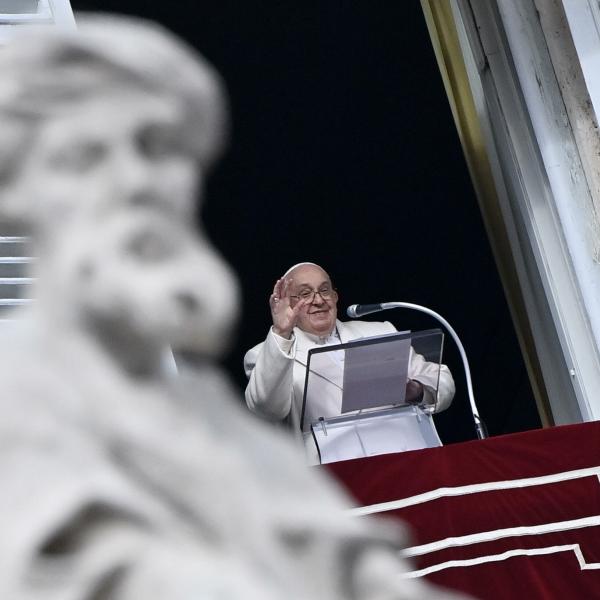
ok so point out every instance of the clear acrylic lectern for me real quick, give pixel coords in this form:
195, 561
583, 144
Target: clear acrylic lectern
355, 402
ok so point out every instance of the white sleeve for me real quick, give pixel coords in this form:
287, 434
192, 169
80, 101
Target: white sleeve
269, 368
426, 373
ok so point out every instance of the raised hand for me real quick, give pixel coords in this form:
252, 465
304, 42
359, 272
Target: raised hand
285, 310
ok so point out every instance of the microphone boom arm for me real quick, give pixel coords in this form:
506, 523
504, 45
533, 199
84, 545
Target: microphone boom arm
353, 311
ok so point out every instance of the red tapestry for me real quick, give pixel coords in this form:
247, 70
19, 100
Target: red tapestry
510, 517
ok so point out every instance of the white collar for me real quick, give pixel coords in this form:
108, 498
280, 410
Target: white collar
324, 340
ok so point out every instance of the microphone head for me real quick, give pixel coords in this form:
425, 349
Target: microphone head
358, 310
351, 311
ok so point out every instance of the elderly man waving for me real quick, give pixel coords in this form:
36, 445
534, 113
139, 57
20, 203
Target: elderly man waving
304, 313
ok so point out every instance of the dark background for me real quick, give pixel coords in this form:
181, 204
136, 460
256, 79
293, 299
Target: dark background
344, 153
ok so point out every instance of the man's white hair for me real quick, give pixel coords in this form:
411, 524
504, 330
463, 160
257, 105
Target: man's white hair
300, 264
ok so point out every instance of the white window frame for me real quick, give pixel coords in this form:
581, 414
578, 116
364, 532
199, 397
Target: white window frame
542, 192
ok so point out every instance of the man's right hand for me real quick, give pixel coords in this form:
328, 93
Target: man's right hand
284, 315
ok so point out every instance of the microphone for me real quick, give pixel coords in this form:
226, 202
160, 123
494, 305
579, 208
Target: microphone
358, 310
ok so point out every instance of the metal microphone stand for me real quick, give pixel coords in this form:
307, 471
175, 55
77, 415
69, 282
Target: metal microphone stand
479, 425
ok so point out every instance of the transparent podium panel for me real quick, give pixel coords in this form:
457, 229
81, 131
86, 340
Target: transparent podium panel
356, 400
382, 432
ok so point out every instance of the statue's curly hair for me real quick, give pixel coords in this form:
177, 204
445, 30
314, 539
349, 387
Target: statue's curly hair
48, 72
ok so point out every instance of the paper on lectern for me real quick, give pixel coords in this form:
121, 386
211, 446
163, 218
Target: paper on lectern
375, 375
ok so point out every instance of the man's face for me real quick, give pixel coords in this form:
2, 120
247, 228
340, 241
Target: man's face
317, 316
120, 149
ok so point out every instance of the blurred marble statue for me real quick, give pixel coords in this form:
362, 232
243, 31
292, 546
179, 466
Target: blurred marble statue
120, 481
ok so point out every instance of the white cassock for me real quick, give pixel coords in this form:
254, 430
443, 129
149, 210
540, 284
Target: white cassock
276, 369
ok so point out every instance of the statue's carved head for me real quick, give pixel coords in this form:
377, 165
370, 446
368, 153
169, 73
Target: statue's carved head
108, 133
117, 113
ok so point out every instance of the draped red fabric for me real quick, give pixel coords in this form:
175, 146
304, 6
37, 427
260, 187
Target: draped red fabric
510, 517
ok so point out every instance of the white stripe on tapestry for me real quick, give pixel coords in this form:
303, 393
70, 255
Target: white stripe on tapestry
474, 488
